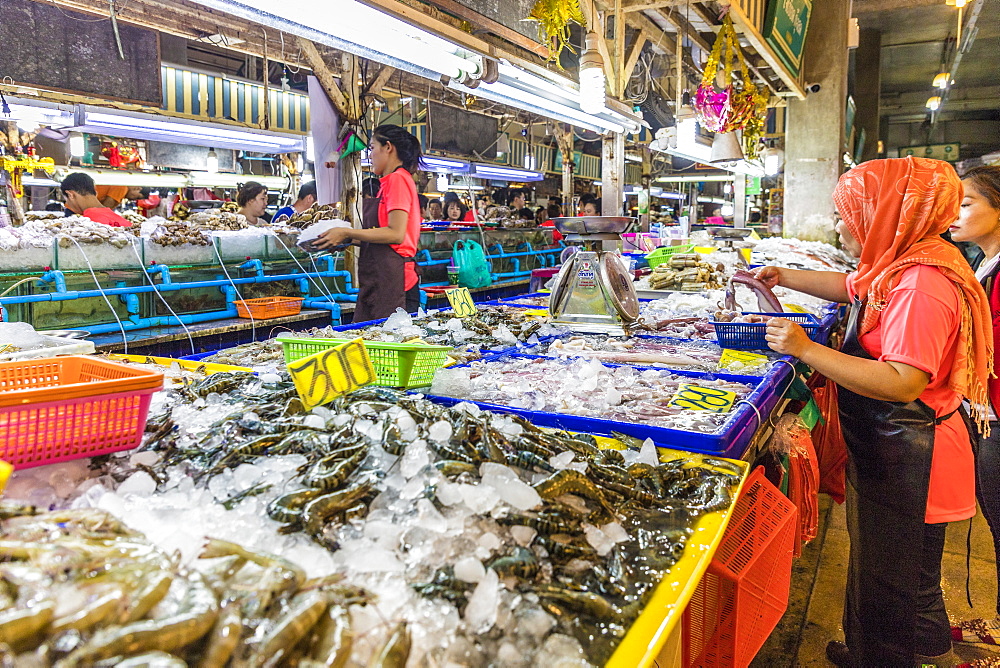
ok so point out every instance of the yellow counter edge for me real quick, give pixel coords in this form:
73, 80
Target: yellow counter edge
645, 638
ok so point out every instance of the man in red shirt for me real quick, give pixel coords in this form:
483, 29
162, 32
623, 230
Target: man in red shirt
81, 198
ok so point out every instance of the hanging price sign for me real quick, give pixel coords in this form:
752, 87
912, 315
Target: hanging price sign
698, 398
323, 377
461, 302
740, 359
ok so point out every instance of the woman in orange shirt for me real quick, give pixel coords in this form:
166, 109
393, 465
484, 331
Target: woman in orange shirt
919, 341
387, 274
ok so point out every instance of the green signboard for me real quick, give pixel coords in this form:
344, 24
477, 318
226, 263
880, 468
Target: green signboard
785, 30
947, 152
753, 185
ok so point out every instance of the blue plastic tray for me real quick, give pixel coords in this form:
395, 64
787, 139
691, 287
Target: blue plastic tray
730, 441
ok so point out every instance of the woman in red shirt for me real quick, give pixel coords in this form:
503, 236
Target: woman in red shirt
919, 341
387, 276
979, 223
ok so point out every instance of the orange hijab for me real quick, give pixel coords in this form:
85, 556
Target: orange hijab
897, 209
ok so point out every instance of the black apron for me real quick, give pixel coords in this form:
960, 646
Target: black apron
888, 473
381, 276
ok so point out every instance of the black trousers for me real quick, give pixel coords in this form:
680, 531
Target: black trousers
988, 487
933, 630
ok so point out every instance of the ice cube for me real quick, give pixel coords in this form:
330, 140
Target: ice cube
481, 611
469, 569
562, 460
648, 453
313, 422
489, 541
139, 483
561, 651
440, 431
144, 457
522, 535
415, 458
612, 396
534, 622
615, 532
598, 539
480, 499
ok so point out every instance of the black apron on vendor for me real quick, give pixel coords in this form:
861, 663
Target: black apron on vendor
888, 476
381, 273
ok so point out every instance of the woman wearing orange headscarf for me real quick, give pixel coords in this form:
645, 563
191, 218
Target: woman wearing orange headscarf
919, 341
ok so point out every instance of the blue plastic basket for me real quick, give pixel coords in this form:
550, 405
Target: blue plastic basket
731, 440
750, 335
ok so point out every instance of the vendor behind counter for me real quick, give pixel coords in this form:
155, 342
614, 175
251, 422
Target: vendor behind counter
81, 198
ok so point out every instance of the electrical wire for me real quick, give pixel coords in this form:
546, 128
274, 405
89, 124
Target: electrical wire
149, 278
253, 323
100, 289
318, 286
21, 282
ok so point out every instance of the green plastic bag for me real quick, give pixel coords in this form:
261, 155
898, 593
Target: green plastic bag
473, 267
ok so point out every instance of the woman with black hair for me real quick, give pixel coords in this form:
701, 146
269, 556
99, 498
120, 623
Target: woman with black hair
252, 200
455, 211
390, 228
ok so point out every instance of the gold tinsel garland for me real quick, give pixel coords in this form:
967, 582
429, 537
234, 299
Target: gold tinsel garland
554, 17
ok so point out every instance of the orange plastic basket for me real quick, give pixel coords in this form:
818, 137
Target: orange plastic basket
59, 408
268, 307
744, 593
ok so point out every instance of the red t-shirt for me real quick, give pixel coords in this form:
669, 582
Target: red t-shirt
919, 327
100, 214
399, 193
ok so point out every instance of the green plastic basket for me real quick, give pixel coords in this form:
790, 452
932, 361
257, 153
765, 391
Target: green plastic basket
664, 253
403, 365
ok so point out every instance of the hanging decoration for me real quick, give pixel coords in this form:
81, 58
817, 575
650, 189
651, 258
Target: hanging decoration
17, 165
738, 105
554, 17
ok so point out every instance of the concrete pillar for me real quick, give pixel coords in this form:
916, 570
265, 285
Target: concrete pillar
867, 86
612, 174
814, 140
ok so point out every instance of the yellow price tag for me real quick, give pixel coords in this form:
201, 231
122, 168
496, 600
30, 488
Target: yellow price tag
795, 308
323, 377
741, 357
753, 236
537, 312
461, 302
698, 398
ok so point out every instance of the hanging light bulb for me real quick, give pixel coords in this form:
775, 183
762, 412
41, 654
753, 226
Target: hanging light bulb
592, 82
960, 3
941, 80
442, 183
212, 162
77, 145
284, 79
934, 103
773, 160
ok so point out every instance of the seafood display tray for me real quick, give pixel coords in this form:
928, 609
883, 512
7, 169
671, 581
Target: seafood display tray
731, 440
787, 359
371, 323
651, 629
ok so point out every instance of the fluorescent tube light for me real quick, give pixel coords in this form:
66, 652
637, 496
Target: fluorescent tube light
221, 180
496, 173
144, 126
436, 164
350, 26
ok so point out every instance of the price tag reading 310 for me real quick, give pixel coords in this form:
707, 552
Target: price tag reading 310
698, 398
323, 377
461, 302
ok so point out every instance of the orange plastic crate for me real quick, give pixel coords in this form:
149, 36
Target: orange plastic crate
744, 593
268, 307
60, 408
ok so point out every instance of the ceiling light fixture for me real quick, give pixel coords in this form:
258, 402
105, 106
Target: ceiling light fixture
941, 81
592, 81
934, 103
346, 24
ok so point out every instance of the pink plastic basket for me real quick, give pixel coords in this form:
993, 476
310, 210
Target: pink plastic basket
63, 408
